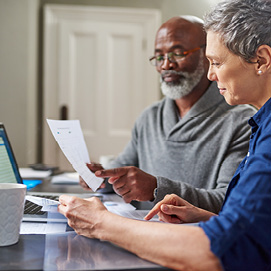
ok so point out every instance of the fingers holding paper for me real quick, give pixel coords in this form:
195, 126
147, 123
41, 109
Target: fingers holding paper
93, 167
82, 214
130, 182
173, 209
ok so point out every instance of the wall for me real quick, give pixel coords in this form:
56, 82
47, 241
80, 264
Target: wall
198, 8
21, 61
169, 8
18, 75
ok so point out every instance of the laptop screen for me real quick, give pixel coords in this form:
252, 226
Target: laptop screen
9, 172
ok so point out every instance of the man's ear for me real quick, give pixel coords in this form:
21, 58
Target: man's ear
263, 55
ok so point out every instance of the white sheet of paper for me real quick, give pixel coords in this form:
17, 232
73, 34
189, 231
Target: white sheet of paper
138, 214
41, 201
118, 206
66, 178
127, 210
69, 136
50, 208
48, 205
42, 228
31, 173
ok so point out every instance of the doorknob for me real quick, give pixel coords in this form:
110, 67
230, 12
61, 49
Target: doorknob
64, 112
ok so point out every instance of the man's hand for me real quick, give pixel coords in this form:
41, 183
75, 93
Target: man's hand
93, 167
173, 209
83, 214
130, 182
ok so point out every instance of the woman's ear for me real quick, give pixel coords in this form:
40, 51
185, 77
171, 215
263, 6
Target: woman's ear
263, 59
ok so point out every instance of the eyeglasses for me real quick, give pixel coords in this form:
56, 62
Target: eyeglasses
172, 57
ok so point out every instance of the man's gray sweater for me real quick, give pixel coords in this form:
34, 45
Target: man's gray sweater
194, 157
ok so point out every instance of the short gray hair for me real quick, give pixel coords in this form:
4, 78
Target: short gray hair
243, 25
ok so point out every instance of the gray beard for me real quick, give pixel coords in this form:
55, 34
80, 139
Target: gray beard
186, 83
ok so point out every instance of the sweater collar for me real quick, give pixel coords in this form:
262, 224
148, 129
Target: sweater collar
209, 99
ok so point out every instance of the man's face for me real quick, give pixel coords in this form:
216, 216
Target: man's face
184, 82
179, 78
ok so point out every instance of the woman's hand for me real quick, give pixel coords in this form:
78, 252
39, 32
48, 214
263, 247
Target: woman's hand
83, 214
174, 209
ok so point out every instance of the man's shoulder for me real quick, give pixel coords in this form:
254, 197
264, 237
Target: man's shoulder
238, 115
244, 110
152, 108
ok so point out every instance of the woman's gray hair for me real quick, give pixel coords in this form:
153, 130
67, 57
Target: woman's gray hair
243, 25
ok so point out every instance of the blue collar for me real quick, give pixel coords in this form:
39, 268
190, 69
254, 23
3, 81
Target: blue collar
261, 115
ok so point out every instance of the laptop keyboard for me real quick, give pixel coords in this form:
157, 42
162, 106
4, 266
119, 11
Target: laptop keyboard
34, 209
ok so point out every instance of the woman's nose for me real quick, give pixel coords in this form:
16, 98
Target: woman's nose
211, 74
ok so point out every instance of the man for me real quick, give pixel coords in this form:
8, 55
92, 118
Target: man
191, 142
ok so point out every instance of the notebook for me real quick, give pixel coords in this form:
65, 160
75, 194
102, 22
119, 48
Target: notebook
9, 172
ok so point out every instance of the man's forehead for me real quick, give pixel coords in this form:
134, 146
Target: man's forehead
175, 29
174, 35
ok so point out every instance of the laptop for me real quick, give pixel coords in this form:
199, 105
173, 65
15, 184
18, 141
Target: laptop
9, 172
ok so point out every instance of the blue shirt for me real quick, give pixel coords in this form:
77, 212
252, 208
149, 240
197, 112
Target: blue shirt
241, 235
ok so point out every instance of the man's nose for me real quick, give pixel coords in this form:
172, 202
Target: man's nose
168, 65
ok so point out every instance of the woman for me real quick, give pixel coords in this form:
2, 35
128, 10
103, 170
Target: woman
239, 238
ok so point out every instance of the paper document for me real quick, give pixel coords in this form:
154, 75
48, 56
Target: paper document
31, 173
48, 205
41, 201
139, 215
127, 210
66, 178
70, 139
42, 228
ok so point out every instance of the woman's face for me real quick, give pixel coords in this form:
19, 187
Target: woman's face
236, 79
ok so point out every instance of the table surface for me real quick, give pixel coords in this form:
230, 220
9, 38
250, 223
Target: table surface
68, 251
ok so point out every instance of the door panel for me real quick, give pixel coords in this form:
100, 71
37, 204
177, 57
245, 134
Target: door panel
97, 66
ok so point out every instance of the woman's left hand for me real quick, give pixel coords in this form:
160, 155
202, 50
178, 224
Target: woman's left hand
174, 209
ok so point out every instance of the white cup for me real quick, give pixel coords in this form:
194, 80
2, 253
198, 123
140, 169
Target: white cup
12, 198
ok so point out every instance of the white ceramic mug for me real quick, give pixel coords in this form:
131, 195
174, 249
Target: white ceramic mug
12, 198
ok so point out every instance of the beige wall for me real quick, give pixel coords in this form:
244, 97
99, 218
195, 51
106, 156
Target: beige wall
20, 65
18, 76
169, 8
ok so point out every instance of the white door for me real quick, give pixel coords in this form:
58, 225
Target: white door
96, 70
